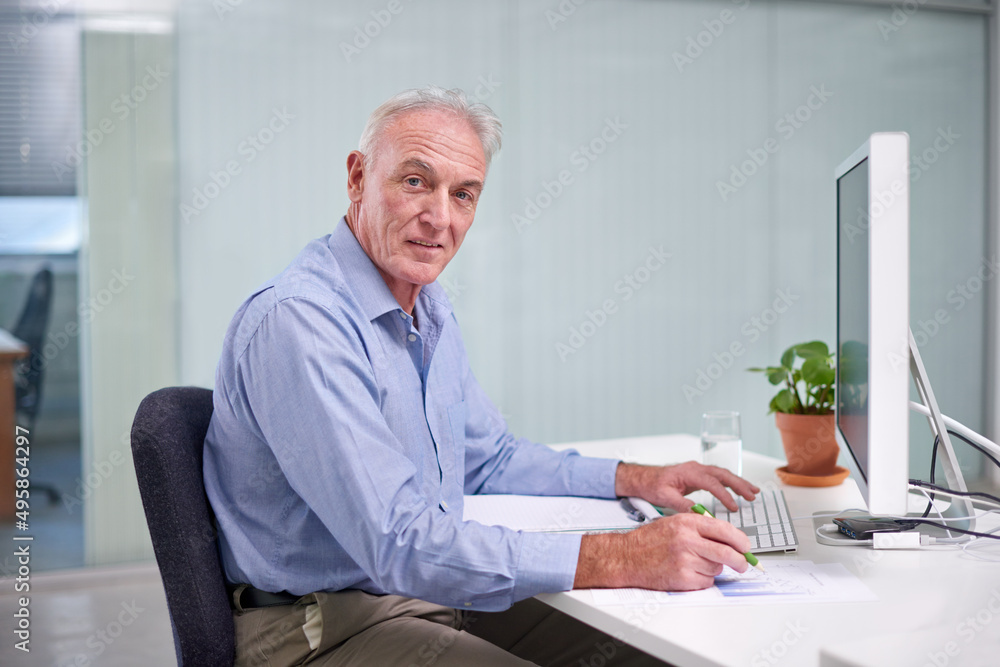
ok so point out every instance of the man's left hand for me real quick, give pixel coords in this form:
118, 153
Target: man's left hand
666, 486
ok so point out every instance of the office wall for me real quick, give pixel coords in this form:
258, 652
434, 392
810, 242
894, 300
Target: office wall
643, 109
128, 324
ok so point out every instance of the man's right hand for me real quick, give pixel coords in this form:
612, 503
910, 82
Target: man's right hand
682, 552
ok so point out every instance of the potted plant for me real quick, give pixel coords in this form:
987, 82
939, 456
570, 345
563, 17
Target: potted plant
804, 414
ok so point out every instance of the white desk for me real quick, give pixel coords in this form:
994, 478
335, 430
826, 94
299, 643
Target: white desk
925, 596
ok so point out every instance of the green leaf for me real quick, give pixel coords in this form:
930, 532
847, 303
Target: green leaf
784, 401
788, 358
776, 375
817, 370
812, 350
827, 376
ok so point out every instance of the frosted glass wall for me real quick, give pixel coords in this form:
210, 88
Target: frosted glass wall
128, 285
661, 215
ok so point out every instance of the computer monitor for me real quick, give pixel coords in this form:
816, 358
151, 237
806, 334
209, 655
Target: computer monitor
873, 295
876, 353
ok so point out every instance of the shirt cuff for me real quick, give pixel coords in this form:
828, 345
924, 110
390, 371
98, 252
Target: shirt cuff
547, 563
593, 477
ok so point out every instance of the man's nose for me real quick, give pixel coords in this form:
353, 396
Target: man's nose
438, 211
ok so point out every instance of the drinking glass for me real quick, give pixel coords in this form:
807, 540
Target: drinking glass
721, 442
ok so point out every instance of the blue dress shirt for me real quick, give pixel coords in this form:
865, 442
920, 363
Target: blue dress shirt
344, 439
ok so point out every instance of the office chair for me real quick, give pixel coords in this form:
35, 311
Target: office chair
167, 440
30, 371
30, 328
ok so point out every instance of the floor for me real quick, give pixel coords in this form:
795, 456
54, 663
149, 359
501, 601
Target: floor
79, 617
108, 617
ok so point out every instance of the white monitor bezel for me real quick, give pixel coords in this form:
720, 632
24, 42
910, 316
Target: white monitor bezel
885, 483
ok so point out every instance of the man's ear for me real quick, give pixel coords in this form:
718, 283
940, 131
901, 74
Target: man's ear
355, 175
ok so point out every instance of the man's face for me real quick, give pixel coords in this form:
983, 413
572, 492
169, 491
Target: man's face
411, 208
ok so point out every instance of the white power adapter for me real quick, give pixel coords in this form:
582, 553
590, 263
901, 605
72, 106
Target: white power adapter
904, 540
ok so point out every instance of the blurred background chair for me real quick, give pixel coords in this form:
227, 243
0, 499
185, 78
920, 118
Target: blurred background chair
167, 440
29, 372
30, 328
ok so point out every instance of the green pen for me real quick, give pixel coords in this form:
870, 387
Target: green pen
700, 509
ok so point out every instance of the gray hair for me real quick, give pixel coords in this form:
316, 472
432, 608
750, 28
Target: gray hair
433, 98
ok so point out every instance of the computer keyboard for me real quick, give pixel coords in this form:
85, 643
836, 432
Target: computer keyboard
765, 520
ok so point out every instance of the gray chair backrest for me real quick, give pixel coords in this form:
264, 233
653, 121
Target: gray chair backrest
168, 437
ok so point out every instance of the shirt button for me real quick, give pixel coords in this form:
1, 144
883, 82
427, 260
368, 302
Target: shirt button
444, 505
412, 337
402, 314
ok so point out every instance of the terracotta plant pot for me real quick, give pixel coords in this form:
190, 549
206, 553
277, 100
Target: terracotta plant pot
810, 445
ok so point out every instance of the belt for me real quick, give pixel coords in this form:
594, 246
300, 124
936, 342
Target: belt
251, 598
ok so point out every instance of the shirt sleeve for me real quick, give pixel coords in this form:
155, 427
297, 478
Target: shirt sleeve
497, 462
314, 397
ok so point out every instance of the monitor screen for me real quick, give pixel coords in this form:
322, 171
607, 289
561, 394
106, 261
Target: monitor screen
852, 312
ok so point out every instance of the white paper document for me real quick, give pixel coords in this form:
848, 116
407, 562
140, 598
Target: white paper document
550, 513
784, 581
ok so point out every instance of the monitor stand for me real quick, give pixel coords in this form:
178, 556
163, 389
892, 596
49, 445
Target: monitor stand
959, 507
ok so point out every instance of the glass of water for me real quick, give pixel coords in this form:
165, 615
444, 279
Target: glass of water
721, 442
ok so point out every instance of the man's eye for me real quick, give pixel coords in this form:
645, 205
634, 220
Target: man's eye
463, 195
413, 180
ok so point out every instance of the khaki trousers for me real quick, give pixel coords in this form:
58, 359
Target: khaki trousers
359, 629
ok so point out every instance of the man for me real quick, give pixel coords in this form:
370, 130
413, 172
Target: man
348, 425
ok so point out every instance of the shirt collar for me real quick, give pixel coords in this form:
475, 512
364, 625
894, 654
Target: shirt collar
367, 283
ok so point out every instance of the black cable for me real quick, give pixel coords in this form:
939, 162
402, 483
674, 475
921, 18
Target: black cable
937, 441
976, 494
977, 446
952, 528
930, 500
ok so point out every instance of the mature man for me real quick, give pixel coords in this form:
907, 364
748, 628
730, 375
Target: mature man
348, 425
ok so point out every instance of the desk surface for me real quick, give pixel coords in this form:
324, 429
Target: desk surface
935, 606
